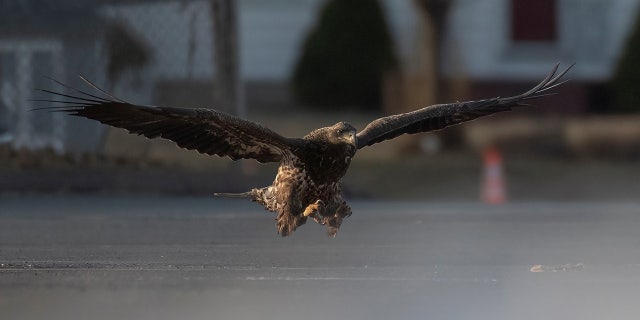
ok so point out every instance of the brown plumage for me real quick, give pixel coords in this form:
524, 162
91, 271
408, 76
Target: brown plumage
307, 184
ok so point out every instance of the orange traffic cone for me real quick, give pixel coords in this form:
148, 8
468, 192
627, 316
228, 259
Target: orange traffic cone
493, 185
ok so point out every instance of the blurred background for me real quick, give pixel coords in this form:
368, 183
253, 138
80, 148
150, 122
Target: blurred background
295, 65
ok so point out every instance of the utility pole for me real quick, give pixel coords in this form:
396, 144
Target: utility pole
228, 88
436, 13
228, 85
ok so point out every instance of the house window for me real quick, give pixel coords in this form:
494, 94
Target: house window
533, 20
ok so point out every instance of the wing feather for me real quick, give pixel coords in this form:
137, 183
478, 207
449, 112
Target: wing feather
204, 130
439, 116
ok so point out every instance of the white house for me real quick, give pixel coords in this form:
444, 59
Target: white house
495, 43
519, 39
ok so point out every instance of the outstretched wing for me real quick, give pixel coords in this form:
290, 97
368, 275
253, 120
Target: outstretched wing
439, 116
205, 130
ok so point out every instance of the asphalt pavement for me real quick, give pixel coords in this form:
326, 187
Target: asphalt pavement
82, 257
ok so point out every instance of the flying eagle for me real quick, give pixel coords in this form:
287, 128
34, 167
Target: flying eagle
307, 184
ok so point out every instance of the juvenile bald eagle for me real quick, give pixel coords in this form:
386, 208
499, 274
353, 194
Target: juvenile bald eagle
307, 184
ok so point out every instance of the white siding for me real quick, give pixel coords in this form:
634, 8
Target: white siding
403, 21
272, 34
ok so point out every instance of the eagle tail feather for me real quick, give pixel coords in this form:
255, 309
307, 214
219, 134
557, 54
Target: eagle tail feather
248, 194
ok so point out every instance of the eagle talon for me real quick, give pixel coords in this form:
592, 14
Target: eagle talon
313, 209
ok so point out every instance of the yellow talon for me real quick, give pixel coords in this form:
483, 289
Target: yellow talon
313, 208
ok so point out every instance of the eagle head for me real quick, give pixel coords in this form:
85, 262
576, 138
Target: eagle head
339, 134
343, 132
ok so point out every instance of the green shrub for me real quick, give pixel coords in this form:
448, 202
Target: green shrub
345, 56
626, 79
